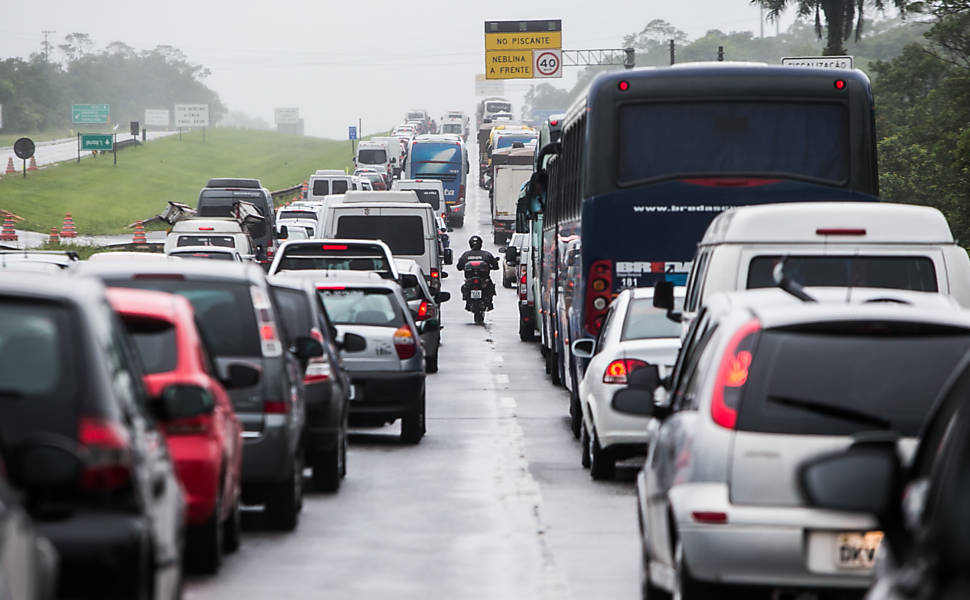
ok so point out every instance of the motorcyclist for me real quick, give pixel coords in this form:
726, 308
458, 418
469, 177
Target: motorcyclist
475, 253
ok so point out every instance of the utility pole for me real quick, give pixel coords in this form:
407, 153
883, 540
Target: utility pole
672, 57
47, 32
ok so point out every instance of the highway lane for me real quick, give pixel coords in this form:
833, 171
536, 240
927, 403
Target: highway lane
492, 504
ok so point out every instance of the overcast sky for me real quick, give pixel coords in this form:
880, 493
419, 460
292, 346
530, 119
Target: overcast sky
338, 60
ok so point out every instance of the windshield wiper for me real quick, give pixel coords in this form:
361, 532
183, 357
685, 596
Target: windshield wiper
829, 410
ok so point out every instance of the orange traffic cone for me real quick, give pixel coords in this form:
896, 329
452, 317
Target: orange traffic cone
54, 239
139, 236
10, 167
67, 231
8, 233
33, 164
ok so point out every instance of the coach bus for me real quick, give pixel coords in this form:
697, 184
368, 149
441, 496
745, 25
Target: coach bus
649, 157
442, 157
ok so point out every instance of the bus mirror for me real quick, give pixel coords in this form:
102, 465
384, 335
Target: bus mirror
663, 295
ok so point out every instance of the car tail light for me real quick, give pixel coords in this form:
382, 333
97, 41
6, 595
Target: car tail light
599, 289
618, 370
523, 281
276, 407
269, 338
404, 343
207, 228
107, 455
733, 374
709, 517
192, 426
317, 371
839, 231
334, 247
423, 311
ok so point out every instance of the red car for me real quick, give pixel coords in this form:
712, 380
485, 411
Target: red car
206, 449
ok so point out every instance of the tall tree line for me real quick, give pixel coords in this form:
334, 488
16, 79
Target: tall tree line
37, 93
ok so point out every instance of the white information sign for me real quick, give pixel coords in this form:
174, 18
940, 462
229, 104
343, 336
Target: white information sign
546, 64
489, 87
156, 117
287, 116
819, 62
191, 115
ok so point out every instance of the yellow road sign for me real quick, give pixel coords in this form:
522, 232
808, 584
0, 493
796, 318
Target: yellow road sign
508, 64
524, 41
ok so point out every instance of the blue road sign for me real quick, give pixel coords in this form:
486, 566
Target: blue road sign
352, 133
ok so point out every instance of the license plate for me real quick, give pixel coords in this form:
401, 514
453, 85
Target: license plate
857, 550
476, 294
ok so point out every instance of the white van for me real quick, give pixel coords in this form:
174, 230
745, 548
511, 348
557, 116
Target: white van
326, 182
829, 244
399, 219
210, 232
377, 156
429, 191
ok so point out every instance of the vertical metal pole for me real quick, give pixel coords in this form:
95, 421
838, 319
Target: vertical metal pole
79, 147
360, 129
25, 168
114, 147
672, 57
720, 54
180, 134
762, 22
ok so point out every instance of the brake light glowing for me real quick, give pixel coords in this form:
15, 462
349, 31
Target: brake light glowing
422, 311
207, 228
624, 85
839, 84
839, 231
334, 246
554, 122
730, 181
276, 407
107, 454
330, 287
435, 274
733, 374
618, 370
404, 343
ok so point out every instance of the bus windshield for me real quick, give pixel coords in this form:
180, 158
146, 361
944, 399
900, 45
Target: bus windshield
507, 140
796, 139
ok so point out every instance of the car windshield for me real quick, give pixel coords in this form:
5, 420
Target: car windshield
156, 343
369, 306
446, 153
372, 156
221, 241
223, 310
844, 377
644, 321
506, 141
915, 273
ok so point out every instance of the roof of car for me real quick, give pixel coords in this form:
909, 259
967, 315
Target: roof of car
830, 222
126, 256
50, 286
381, 196
647, 292
188, 269
208, 249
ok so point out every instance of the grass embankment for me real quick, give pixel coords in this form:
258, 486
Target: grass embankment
104, 199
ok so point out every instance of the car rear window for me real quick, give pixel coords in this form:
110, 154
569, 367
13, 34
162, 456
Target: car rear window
367, 306
915, 273
203, 254
298, 214
295, 310
223, 310
842, 378
644, 321
155, 341
36, 348
334, 257
338, 186
321, 187
404, 234
222, 241
431, 197
411, 287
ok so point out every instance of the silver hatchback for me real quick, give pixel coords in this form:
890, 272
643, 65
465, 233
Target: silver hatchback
763, 382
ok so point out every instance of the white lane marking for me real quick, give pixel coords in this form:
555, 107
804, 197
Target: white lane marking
502, 378
507, 402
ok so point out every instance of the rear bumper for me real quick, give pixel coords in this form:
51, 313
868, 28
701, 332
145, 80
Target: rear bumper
387, 395
456, 209
786, 547
268, 454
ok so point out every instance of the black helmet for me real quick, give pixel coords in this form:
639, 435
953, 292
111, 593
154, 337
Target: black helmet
475, 242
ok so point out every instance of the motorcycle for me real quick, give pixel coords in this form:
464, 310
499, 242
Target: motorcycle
478, 289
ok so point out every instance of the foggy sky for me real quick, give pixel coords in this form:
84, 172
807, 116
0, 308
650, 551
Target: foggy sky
340, 60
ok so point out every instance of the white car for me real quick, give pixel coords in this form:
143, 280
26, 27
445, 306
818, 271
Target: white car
634, 334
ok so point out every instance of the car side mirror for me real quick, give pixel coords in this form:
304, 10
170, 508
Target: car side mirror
240, 376
183, 401
353, 343
305, 348
443, 297
861, 479
584, 348
284, 232
663, 295
45, 465
634, 401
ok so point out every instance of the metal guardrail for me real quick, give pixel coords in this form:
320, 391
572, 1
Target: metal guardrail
285, 191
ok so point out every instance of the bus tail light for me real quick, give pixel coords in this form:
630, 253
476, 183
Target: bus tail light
599, 289
733, 374
461, 192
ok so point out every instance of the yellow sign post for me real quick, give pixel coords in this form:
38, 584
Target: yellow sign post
512, 48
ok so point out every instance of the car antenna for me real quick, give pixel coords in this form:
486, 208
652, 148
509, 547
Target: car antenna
788, 284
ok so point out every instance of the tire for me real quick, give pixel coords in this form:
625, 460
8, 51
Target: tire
326, 469
527, 332
602, 463
479, 317
554, 368
285, 499
575, 414
412, 425
584, 446
547, 355
431, 364
497, 239
206, 544
232, 530
507, 283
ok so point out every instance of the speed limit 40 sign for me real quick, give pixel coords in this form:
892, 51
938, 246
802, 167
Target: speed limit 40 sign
546, 64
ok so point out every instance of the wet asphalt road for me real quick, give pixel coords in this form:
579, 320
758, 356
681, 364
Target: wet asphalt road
493, 504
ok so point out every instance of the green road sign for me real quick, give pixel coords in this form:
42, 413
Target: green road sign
96, 141
89, 113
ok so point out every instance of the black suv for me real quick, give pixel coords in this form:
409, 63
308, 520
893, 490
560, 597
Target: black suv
219, 197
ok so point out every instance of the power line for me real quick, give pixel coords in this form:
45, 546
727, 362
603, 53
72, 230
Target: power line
46, 33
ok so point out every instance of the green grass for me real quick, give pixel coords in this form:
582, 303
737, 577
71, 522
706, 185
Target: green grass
7, 139
104, 199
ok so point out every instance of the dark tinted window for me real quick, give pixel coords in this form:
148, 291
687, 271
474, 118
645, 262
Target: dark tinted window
888, 371
219, 203
411, 287
155, 342
498, 107
207, 255
362, 307
785, 138
295, 308
35, 362
222, 241
321, 187
298, 214
404, 234
644, 321
429, 197
338, 257
896, 272
339, 186
224, 312
372, 156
